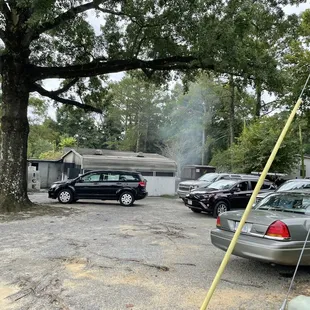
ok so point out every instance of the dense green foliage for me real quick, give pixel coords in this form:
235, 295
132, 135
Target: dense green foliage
244, 43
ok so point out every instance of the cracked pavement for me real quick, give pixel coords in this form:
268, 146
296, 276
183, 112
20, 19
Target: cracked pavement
155, 255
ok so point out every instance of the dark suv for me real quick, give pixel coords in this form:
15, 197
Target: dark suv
223, 195
124, 186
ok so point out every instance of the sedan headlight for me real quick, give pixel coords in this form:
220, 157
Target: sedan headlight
54, 185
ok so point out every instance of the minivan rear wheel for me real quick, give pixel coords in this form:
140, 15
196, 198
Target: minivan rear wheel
126, 199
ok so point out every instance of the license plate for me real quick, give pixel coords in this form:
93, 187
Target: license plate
189, 202
245, 228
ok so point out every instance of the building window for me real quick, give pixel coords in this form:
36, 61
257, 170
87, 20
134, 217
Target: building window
164, 174
147, 173
35, 165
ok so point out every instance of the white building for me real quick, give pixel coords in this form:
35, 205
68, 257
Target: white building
297, 173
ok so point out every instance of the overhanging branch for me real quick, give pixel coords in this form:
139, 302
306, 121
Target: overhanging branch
68, 15
111, 66
2, 35
53, 95
65, 88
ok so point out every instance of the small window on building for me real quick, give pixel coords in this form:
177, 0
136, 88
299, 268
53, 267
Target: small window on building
147, 173
164, 174
35, 165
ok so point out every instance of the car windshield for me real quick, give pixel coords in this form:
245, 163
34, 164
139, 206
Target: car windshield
293, 185
210, 177
222, 184
288, 202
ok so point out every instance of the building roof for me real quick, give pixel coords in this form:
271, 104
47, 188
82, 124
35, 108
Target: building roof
93, 159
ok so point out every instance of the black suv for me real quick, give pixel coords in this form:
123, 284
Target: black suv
124, 186
223, 195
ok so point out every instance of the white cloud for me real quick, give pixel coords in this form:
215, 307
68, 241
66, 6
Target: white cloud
297, 9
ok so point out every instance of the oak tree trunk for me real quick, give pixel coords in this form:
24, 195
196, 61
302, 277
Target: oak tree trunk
14, 135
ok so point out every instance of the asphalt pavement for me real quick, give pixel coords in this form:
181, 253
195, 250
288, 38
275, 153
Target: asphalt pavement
98, 255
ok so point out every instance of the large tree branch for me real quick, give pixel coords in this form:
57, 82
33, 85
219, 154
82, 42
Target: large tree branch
111, 66
64, 17
65, 88
2, 35
53, 95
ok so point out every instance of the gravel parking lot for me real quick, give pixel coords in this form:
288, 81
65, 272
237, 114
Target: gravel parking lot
155, 255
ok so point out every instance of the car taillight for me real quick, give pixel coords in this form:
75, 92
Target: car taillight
218, 222
278, 230
142, 184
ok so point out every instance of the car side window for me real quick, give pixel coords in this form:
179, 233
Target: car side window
94, 177
264, 186
111, 177
243, 186
129, 178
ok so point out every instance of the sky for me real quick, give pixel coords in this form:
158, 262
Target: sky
53, 84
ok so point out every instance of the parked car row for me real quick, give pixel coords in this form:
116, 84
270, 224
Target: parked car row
277, 226
274, 232
186, 187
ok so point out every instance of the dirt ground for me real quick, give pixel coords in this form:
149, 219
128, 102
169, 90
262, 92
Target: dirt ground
155, 255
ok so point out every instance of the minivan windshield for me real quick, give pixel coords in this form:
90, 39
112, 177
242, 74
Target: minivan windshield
222, 184
286, 202
209, 177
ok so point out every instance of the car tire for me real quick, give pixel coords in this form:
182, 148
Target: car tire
220, 207
126, 199
196, 211
65, 196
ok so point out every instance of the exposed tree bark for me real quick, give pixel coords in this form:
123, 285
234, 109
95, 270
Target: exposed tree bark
99, 67
232, 111
15, 129
53, 95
